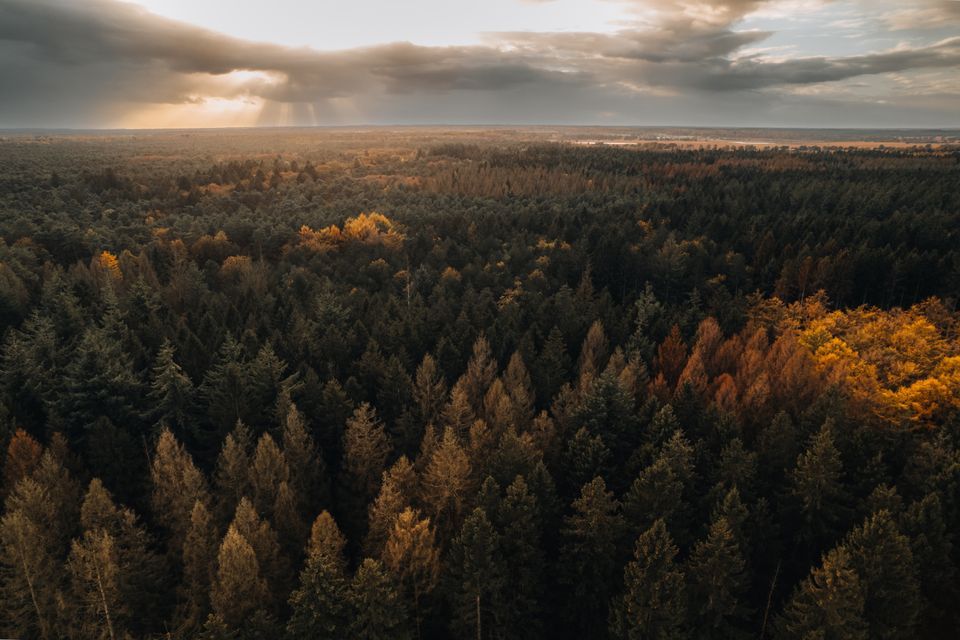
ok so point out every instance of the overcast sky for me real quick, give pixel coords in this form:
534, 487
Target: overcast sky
188, 63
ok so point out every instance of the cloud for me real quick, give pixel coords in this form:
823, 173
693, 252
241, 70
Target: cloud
94, 59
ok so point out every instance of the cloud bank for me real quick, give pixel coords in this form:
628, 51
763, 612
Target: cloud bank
85, 63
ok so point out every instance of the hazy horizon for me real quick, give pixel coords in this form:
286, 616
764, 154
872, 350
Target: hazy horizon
160, 64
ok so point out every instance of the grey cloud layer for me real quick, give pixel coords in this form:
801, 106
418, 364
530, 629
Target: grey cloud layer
99, 53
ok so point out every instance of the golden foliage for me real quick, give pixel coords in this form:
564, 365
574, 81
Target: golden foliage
903, 365
109, 264
367, 228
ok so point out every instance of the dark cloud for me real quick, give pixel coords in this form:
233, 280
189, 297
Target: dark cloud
65, 61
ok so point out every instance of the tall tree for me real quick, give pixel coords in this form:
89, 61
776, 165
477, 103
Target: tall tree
177, 486
476, 578
172, 393
589, 555
239, 589
446, 483
319, 603
412, 556
829, 604
881, 556
378, 612
717, 583
653, 603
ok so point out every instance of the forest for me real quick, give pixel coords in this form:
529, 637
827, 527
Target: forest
425, 384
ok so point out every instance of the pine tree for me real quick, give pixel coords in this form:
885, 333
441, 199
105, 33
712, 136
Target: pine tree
881, 556
717, 583
477, 578
319, 607
114, 543
96, 584
267, 472
817, 486
365, 451
446, 483
232, 475
172, 393
829, 604
429, 390
177, 486
199, 559
516, 381
239, 589
519, 520
308, 473
553, 366
481, 371
653, 602
589, 554
395, 495
30, 576
262, 538
377, 609
412, 557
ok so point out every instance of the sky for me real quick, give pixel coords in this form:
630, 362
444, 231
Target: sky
217, 63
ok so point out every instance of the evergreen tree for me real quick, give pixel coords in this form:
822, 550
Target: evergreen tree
817, 487
319, 603
829, 604
377, 609
177, 486
395, 495
653, 604
199, 559
239, 590
477, 578
412, 557
589, 556
232, 474
446, 483
29, 581
717, 583
881, 556
519, 521
172, 393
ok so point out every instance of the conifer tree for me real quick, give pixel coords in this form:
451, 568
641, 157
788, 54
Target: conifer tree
268, 471
365, 451
378, 612
519, 521
96, 585
716, 583
653, 603
308, 473
396, 492
412, 557
240, 589
481, 371
199, 559
589, 554
446, 483
477, 578
177, 486
29, 581
262, 538
429, 390
881, 556
172, 392
552, 367
829, 604
319, 603
817, 486
232, 474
